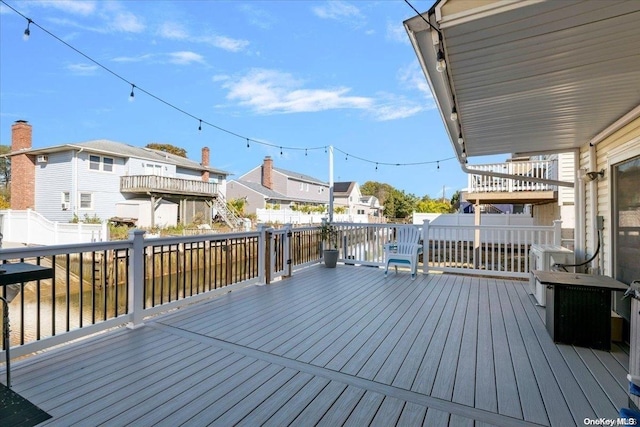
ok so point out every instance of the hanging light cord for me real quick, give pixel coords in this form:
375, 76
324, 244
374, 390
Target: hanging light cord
202, 121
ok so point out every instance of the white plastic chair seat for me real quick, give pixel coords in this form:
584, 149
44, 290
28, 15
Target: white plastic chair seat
404, 252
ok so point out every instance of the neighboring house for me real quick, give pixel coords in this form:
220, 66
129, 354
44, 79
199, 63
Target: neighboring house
267, 186
348, 195
107, 179
547, 78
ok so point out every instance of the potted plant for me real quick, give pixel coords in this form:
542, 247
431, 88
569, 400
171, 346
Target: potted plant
329, 236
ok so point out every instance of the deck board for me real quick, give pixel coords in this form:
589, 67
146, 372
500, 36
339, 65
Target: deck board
342, 346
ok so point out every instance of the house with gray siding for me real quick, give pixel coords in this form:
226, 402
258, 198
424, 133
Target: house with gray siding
93, 179
268, 186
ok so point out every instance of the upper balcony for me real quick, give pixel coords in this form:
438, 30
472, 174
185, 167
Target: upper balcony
491, 189
167, 185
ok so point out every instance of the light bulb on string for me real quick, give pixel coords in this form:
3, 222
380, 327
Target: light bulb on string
280, 151
200, 126
27, 31
438, 163
247, 142
305, 151
376, 165
346, 157
132, 95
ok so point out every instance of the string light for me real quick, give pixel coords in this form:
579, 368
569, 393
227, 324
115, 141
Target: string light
27, 33
438, 162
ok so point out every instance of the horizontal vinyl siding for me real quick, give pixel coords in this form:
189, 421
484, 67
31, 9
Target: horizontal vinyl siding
603, 149
566, 172
52, 179
105, 187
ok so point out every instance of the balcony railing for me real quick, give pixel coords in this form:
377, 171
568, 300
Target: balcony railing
546, 169
166, 185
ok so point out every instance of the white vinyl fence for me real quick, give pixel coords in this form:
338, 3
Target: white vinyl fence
30, 228
288, 216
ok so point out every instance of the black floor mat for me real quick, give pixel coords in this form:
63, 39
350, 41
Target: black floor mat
18, 411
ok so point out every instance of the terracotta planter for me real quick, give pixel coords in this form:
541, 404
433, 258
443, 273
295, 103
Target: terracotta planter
330, 258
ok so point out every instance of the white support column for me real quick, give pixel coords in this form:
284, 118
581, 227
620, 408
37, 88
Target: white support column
136, 279
288, 235
262, 249
557, 232
331, 183
425, 246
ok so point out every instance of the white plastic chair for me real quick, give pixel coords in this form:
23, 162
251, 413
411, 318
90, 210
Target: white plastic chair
404, 251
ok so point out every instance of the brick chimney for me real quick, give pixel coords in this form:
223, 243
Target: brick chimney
267, 172
23, 168
205, 163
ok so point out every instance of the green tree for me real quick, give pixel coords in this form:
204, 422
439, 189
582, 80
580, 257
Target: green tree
237, 205
456, 198
168, 148
5, 176
429, 205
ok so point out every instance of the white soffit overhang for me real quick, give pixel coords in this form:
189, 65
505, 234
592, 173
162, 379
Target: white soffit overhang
531, 76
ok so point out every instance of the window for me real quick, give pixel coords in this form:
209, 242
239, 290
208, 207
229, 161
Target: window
107, 164
302, 186
307, 187
86, 201
97, 163
360, 211
66, 200
94, 163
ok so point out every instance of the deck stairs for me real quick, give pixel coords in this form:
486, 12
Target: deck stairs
229, 215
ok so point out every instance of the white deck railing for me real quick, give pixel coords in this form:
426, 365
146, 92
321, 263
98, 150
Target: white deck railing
100, 285
535, 168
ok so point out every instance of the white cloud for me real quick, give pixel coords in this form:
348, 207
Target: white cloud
75, 7
270, 91
185, 58
125, 22
276, 92
178, 58
139, 58
173, 30
82, 69
337, 10
226, 43
412, 78
397, 33
258, 17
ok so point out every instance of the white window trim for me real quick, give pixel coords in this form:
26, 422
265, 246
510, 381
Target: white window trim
80, 201
101, 163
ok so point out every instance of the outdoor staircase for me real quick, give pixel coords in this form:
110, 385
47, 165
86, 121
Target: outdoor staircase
229, 216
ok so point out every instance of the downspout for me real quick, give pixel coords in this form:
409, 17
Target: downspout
74, 185
593, 208
580, 234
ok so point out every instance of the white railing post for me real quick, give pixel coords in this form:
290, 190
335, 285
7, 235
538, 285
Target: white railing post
425, 246
557, 232
262, 249
136, 279
288, 235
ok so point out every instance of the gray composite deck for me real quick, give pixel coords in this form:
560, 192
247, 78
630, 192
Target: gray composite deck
340, 346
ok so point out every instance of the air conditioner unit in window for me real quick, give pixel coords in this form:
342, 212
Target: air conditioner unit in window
65, 206
43, 158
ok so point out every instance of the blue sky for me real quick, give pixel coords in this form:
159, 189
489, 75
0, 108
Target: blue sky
288, 73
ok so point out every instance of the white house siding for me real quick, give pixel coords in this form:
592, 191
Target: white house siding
183, 173
566, 172
624, 139
52, 179
137, 167
254, 199
104, 185
310, 191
